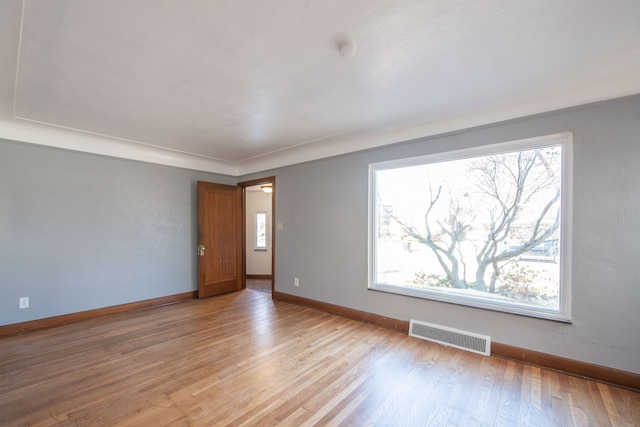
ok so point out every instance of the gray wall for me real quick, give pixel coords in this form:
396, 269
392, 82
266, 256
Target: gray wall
79, 232
323, 208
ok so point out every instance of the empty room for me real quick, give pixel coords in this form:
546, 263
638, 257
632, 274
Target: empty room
384, 213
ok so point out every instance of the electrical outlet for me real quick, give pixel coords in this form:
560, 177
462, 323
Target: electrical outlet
296, 281
23, 302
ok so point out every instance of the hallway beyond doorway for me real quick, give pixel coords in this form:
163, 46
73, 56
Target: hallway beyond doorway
261, 285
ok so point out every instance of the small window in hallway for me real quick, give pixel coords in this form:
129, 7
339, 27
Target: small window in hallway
260, 231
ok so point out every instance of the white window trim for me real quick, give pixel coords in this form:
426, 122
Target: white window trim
564, 312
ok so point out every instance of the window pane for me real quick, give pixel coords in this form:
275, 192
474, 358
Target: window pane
260, 230
483, 228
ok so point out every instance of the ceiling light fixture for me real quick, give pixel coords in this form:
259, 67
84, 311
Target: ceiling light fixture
346, 49
267, 188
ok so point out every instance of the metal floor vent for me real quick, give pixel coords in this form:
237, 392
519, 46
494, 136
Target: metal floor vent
469, 341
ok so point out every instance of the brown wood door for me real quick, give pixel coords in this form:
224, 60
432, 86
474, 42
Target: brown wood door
219, 239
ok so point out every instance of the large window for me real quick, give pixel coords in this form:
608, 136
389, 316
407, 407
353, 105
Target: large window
486, 227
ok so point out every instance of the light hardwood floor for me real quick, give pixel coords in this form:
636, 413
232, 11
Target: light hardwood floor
243, 359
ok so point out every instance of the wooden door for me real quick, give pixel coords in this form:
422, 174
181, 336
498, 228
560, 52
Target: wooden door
219, 239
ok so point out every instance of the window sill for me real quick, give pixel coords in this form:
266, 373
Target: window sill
486, 304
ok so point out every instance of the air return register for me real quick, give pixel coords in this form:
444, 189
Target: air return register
469, 341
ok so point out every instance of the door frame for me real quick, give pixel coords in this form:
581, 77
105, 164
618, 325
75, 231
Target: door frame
260, 181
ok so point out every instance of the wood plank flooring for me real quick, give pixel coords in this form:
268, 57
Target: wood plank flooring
243, 359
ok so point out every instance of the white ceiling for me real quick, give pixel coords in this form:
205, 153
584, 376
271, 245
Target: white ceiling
240, 86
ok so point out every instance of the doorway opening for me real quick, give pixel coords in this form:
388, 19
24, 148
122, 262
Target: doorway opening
258, 233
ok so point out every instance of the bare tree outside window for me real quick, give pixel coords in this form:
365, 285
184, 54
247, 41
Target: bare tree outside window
483, 227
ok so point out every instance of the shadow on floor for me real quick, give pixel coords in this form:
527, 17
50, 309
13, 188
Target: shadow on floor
260, 285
